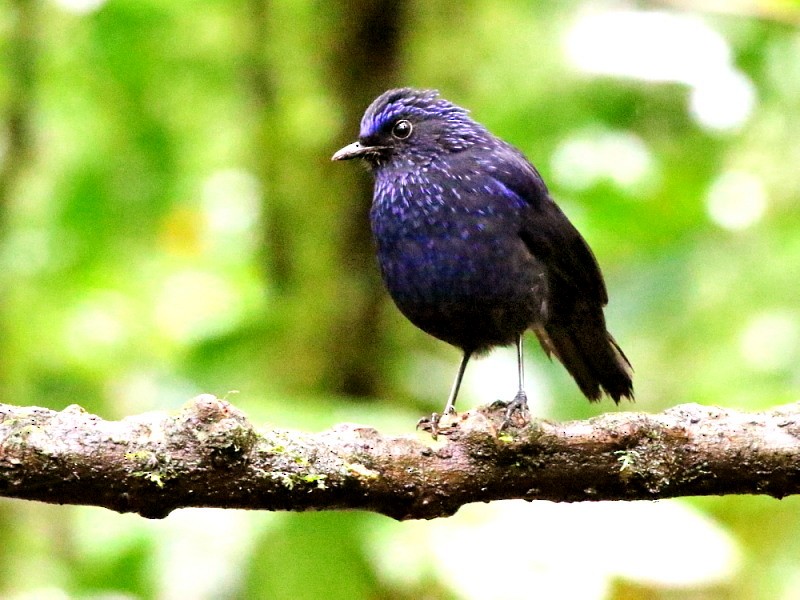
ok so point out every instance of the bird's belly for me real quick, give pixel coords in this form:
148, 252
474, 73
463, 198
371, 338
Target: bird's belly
474, 293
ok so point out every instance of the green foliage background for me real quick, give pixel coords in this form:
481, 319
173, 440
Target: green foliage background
171, 224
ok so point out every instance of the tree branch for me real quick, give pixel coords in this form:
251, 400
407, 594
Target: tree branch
208, 454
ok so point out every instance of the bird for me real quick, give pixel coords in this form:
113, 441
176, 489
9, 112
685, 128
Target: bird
474, 250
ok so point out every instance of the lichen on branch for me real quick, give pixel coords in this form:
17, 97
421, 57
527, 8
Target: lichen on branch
209, 454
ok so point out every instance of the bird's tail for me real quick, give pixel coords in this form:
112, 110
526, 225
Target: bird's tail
591, 355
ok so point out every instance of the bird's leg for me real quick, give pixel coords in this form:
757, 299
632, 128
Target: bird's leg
450, 407
432, 423
520, 402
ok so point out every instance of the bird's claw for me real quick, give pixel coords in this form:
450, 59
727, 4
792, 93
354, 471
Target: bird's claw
431, 424
518, 406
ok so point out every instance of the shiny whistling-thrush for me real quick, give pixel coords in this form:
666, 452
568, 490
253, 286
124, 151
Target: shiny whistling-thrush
473, 249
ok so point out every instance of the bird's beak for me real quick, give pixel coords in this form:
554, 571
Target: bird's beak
355, 150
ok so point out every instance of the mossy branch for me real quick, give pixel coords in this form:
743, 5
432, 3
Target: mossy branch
209, 454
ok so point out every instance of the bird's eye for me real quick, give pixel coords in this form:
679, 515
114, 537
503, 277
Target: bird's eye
402, 129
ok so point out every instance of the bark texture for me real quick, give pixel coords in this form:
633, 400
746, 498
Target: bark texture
209, 454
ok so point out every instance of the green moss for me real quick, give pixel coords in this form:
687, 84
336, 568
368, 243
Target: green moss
360, 471
627, 459
290, 480
140, 455
21, 434
317, 478
153, 467
155, 477
286, 479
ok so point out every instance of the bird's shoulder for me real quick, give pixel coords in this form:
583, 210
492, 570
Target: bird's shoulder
545, 229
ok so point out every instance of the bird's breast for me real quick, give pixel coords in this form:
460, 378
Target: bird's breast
456, 265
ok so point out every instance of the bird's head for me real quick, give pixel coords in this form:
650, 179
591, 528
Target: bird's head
411, 127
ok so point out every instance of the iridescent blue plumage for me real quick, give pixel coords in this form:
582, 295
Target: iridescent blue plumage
471, 246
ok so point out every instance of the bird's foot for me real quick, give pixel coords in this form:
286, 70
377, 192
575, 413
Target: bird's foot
431, 424
517, 407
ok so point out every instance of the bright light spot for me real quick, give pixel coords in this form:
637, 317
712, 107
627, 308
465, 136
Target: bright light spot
587, 158
97, 325
231, 200
488, 378
652, 46
199, 552
736, 200
194, 304
80, 7
141, 390
27, 251
463, 550
770, 341
136, 391
42, 593
724, 101
495, 377
203, 552
666, 47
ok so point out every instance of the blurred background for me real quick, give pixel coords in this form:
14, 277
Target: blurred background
171, 223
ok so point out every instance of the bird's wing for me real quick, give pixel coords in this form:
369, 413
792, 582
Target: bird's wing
548, 234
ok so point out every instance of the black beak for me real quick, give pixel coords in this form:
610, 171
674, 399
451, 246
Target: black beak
356, 150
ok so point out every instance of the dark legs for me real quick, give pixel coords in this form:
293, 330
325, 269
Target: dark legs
520, 367
432, 423
520, 402
450, 407
519, 405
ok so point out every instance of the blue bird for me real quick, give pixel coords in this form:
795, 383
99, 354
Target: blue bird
474, 251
